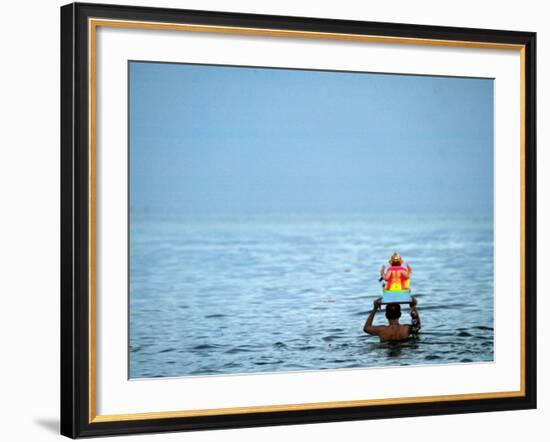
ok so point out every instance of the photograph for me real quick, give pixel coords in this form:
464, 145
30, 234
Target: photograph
295, 220
280, 219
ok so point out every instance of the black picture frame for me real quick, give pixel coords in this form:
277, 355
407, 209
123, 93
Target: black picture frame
75, 220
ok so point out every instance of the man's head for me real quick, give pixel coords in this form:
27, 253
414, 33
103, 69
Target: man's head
393, 311
396, 259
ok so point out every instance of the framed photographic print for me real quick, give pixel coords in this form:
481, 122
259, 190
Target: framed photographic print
274, 220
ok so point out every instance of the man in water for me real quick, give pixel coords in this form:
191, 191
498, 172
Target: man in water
394, 331
397, 277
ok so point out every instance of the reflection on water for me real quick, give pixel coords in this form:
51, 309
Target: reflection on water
267, 294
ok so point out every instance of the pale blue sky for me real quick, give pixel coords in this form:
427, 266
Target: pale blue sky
213, 139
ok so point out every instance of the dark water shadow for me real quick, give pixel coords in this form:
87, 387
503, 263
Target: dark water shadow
52, 425
394, 349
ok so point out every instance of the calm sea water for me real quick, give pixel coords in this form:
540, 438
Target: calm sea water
226, 295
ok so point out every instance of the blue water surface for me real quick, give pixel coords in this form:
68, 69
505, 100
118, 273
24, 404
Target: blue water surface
274, 293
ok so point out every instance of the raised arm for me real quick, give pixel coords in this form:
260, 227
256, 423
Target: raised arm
369, 328
408, 272
383, 274
416, 324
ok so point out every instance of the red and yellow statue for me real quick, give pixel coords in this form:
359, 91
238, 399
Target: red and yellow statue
397, 277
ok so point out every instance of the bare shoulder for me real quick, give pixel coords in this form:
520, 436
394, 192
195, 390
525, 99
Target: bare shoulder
376, 330
394, 333
382, 331
386, 333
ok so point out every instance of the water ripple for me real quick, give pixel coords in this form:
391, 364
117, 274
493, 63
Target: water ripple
268, 294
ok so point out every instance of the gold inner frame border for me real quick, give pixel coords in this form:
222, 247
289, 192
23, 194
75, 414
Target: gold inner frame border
93, 24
